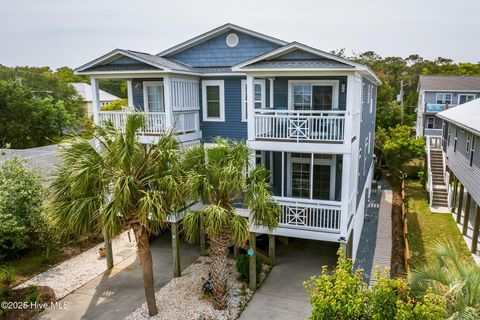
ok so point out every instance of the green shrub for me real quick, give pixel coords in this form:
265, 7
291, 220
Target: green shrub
32, 294
243, 266
7, 275
21, 196
343, 295
378, 173
115, 105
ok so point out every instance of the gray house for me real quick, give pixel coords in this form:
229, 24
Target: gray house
309, 116
461, 148
439, 93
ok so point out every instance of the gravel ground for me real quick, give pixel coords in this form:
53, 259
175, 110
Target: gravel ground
74, 273
182, 299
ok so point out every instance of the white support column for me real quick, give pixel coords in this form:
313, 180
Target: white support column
250, 107
271, 92
95, 100
345, 197
167, 93
283, 174
311, 175
130, 93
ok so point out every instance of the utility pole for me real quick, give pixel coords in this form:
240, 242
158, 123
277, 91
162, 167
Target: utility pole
400, 99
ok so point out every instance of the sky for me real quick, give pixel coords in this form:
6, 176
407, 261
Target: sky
70, 33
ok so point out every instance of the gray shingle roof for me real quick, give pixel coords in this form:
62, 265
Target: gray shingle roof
433, 83
466, 115
277, 64
168, 63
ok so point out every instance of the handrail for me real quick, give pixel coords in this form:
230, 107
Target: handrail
301, 112
430, 176
330, 203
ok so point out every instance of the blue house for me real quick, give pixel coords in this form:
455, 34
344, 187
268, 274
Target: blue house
309, 115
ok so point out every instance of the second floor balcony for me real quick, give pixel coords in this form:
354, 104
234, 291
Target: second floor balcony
436, 107
299, 125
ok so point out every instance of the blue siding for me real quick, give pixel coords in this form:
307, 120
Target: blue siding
216, 53
298, 55
137, 85
124, 60
233, 127
367, 126
280, 90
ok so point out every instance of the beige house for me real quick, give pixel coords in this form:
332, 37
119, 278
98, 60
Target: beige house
85, 91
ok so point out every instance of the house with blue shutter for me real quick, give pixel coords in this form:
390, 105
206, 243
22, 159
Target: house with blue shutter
309, 115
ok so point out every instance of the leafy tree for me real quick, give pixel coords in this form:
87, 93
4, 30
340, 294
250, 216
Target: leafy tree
116, 87
115, 105
21, 197
398, 147
218, 176
454, 278
29, 121
117, 185
343, 295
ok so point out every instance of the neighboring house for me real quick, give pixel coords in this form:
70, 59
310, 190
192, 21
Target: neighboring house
309, 116
85, 91
438, 93
461, 147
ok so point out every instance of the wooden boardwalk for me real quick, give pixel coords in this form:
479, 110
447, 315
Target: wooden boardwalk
383, 248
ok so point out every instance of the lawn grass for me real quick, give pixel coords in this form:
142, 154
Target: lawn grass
34, 262
426, 228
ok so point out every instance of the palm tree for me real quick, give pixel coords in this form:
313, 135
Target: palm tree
220, 175
118, 184
453, 277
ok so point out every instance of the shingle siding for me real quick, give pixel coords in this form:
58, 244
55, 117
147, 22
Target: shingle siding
367, 127
459, 162
232, 127
215, 52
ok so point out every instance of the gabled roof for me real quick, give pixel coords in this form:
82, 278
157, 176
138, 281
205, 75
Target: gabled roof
215, 32
325, 60
160, 63
85, 91
466, 116
446, 83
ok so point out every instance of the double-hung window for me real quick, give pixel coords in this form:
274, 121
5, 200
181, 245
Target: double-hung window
463, 98
213, 100
153, 96
469, 137
430, 122
455, 141
258, 99
472, 150
444, 98
313, 95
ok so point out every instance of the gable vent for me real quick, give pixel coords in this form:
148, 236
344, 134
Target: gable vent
232, 40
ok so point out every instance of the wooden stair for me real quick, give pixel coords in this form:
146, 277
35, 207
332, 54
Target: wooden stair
440, 195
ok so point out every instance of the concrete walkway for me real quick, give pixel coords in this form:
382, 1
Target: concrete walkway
282, 295
118, 292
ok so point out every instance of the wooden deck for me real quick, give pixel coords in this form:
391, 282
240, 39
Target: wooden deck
383, 247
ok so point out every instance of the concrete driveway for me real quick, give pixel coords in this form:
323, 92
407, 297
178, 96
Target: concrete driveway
282, 295
118, 292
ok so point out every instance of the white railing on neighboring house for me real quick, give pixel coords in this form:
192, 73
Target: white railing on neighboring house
313, 215
299, 125
154, 121
433, 132
430, 175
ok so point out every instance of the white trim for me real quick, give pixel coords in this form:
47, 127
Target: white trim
130, 92
333, 83
95, 99
271, 93
466, 94
433, 123
444, 97
294, 46
112, 55
145, 94
213, 33
450, 90
221, 85
261, 82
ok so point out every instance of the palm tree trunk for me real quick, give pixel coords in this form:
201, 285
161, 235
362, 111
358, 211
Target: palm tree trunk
145, 255
219, 269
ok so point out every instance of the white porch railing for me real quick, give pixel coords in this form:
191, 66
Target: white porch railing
154, 121
430, 175
299, 125
433, 132
313, 215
